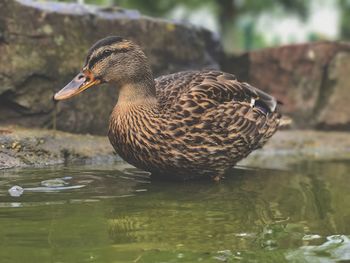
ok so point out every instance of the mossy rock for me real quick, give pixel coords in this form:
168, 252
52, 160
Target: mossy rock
43, 45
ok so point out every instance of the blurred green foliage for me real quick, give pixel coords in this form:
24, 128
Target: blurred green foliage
345, 19
229, 13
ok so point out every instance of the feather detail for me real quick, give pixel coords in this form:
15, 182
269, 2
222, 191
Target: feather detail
203, 123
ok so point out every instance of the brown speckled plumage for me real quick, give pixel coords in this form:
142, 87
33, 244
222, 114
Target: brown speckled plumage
202, 124
184, 125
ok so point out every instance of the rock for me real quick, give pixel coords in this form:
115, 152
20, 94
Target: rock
43, 45
287, 148
334, 111
41, 147
310, 79
21, 147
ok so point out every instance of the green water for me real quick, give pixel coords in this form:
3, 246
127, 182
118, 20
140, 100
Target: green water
300, 215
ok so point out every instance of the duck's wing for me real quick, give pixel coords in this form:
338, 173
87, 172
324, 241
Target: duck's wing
226, 114
169, 88
218, 87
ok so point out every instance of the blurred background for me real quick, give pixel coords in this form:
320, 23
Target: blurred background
252, 24
300, 53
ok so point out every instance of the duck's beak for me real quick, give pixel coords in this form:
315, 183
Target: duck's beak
80, 82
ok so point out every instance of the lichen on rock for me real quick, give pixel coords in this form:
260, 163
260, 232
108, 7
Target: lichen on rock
43, 45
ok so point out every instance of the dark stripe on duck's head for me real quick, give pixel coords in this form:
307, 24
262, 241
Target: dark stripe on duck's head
102, 43
104, 54
106, 42
94, 60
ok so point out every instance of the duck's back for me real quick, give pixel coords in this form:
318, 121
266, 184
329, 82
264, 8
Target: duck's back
215, 117
217, 86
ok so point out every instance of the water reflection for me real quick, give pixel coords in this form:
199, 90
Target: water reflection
120, 216
336, 248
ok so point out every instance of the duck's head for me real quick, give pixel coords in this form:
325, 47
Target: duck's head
112, 59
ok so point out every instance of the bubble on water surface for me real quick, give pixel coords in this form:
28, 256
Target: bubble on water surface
67, 178
57, 182
16, 191
51, 185
311, 237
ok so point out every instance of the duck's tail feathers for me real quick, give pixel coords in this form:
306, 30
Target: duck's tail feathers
285, 121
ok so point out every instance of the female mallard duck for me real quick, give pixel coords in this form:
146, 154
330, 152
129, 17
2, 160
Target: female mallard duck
183, 125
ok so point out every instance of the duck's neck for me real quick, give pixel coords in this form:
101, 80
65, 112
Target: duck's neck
138, 92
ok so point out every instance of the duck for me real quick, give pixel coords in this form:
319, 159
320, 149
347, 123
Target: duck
186, 125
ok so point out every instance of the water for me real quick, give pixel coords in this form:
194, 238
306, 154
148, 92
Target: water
118, 215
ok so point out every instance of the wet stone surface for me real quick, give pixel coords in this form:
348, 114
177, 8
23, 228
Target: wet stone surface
21, 147
34, 147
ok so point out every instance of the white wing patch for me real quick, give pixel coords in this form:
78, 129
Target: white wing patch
252, 102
